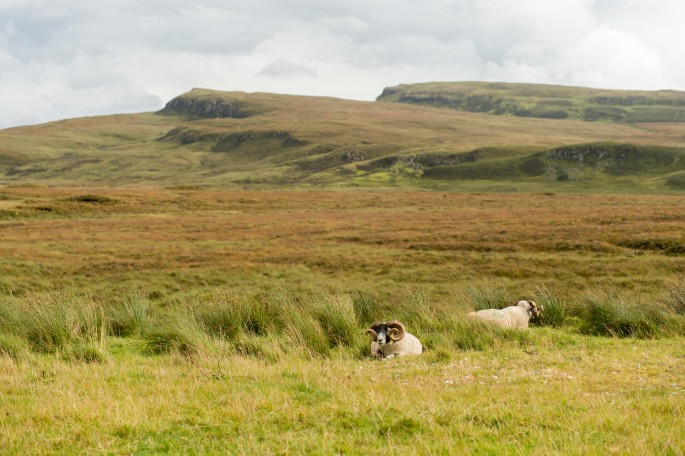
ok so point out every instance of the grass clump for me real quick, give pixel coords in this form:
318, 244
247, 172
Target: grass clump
488, 296
466, 334
129, 317
176, 334
226, 314
615, 315
555, 308
336, 315
415, 310
85, 352
321, 322
366, 307
50, 322
71, 324
258, 347
675, 299
304, 333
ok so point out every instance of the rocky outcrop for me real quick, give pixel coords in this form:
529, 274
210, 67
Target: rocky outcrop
544, 101
209, 108
280, 138
186, 136
422, 161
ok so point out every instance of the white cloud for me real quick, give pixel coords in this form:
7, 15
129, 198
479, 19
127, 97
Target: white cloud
612, 59
604, 58
66, 58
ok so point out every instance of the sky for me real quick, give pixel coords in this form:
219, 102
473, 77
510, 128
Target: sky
73, 58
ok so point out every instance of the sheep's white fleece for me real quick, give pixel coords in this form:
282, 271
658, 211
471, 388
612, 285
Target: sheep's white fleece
512, 317
408, 345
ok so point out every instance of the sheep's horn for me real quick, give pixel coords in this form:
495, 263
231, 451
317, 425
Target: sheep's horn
373, 330
538, 308
397, 330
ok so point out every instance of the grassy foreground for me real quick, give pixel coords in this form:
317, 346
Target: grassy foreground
591, 396
184, 321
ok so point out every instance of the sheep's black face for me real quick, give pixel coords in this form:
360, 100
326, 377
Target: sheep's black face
382, 337
385, 333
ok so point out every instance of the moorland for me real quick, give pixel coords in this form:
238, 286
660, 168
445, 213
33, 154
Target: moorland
199, 280
211, 138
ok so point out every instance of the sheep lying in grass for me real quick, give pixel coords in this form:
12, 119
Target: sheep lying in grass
512, 317
391, 339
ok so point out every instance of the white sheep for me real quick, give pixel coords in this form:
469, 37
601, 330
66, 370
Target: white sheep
391, 339
512, 317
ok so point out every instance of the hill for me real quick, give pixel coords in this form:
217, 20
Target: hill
544, 101
212, 138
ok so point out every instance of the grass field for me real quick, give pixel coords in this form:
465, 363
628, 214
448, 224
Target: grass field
182, 320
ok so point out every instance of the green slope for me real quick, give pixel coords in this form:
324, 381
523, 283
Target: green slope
211, 138
544, 101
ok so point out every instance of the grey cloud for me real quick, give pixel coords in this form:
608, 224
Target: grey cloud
100, 28
285, 68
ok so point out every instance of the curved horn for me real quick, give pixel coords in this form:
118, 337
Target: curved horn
397, 331
373, 330
537, 309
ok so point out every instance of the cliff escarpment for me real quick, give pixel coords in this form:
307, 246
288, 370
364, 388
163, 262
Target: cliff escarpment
203, 104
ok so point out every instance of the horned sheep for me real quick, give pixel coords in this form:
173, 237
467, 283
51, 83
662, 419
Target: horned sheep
516, 316
389, 339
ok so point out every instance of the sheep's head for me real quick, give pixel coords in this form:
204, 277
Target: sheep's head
381, 332
533, 309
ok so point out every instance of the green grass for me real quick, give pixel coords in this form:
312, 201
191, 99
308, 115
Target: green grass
618, 315
475, 389
554, 304
676, 296
320, 322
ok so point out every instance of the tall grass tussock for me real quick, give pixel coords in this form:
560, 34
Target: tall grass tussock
317, 323
675, 299
607, 312
52, 322
554, 304
222, 370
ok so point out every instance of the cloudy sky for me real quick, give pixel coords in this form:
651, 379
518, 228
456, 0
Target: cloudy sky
73, 58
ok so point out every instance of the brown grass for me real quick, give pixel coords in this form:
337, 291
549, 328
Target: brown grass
355, 238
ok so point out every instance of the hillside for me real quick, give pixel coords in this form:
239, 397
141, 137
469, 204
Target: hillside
211, 138
544, 101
